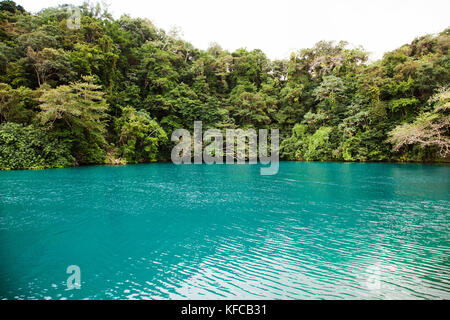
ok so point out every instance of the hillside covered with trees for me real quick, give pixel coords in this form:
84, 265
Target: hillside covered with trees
113, 91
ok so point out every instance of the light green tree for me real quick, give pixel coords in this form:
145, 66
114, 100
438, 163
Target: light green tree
77, 111
140, 137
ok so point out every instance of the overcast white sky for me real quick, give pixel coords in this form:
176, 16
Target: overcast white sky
280, 26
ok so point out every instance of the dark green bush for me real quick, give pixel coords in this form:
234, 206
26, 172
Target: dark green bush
31, 148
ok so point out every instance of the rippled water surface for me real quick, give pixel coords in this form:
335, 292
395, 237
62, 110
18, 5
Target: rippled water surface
160, 231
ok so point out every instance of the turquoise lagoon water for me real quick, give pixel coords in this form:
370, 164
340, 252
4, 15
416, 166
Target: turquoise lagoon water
160, 231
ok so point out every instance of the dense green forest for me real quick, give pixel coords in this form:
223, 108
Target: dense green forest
113, 91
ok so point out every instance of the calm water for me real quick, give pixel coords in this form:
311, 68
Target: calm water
160, 231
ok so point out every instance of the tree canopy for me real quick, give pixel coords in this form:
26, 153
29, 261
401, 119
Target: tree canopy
112, 91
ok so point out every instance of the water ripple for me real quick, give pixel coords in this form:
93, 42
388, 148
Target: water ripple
315, 231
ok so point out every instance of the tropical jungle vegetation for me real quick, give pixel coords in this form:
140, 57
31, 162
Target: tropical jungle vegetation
112, 91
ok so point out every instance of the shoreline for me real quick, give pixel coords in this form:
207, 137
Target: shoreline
444, 162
